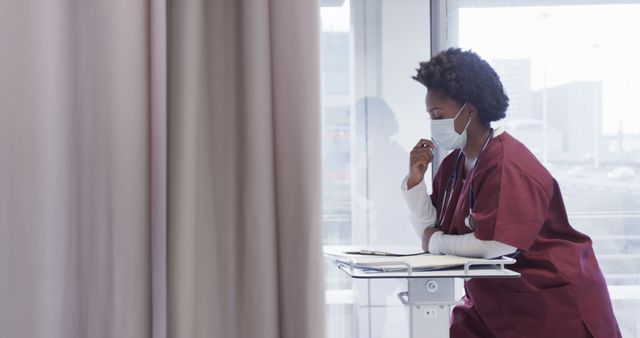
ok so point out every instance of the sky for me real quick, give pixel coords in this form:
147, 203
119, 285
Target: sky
581, 43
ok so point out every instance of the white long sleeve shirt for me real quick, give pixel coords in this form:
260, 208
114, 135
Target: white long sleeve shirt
422, 215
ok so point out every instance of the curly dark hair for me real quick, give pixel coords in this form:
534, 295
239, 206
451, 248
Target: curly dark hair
466, 77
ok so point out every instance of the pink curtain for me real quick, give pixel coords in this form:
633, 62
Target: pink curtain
75, 115
244, 214
159, 169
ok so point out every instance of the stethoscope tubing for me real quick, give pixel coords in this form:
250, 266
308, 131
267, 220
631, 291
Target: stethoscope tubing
453, 178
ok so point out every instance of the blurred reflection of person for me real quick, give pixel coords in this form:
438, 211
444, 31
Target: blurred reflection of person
380, 159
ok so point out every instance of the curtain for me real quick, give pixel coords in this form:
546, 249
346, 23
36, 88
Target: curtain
160, 169
244, 175
74, 169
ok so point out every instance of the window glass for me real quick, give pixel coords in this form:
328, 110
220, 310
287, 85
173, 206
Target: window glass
373, 114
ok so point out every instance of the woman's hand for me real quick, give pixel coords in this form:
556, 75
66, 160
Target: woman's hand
426, 237
419, 159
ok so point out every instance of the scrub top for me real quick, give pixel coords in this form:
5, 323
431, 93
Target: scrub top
562, 292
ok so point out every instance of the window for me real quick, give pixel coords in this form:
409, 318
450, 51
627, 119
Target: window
373, 114
571, 71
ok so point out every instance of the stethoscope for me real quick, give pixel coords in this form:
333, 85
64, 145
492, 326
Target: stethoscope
451, 183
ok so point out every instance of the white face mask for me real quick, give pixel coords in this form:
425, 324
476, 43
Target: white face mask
444, 133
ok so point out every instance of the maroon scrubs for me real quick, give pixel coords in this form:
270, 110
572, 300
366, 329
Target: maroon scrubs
562, 292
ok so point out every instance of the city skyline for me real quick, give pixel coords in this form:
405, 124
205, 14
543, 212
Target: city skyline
591, 48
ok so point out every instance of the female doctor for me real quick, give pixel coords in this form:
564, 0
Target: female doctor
492, 197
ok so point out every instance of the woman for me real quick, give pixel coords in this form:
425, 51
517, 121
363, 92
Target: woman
492, 197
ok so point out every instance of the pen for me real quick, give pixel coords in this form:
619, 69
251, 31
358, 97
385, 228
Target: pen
380, 253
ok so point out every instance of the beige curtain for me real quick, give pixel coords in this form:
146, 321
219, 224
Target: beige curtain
118, 191
244, 175
74, 169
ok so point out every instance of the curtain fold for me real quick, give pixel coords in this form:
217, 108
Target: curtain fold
74, 111
157, 52
244, 177
296, 105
